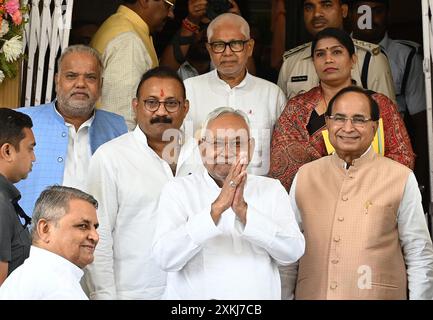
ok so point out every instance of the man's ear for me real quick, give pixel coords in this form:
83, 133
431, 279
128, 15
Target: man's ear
344, 10
209, 50
43, 230
327, 123
250, 46
7, 152
134, 104
186, 106
375, 126
56, 81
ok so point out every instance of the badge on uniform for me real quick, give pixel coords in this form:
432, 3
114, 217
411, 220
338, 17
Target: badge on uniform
299, 78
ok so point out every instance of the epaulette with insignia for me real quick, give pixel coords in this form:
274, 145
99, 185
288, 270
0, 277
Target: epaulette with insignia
288, 53
370, 47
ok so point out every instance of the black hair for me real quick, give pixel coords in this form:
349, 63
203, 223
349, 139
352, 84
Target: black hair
342, 36
12, 124
374, 107
161, 72
341, 2
129, 1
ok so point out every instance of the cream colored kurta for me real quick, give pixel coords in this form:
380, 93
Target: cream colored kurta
127, 51
365, 238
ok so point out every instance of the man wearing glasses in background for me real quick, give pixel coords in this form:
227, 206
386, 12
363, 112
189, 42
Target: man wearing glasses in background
126, 177
125, 43
230, 84
361, 214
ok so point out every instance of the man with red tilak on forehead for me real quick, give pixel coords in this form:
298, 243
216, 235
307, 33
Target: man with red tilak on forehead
126, 178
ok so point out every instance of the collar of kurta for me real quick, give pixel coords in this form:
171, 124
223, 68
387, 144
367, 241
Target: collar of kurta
242, 84
210, 181
59, 117
142, 29
56, 262
187, 144
367, 157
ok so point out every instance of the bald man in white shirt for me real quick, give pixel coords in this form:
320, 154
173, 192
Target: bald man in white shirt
222, 234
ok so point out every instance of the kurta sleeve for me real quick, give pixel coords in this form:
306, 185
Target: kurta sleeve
397, 141
102, 185
277, 233
281, 103
179, 236
415, 242
289, 274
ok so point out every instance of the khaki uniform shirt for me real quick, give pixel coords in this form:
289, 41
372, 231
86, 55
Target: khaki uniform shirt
298, 75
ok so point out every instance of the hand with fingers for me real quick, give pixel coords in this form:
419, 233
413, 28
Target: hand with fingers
239, 205
232, 189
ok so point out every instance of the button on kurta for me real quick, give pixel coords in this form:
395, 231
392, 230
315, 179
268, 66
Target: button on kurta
59, 159
341, 219
344, 198
335, 261
337, 238
63, 134
333, 285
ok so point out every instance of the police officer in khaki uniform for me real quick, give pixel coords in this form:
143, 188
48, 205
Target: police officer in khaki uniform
297, 74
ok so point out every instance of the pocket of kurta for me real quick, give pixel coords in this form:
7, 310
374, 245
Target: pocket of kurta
380, 222
384, 285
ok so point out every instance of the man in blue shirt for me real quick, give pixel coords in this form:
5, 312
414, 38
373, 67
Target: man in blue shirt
69, 129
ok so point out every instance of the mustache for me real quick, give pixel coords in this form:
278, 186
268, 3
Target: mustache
158, 119
80, 92
319, 20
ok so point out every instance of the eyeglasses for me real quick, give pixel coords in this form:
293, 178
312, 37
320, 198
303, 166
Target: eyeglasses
171, 105
170, 4
357, 121
235, 45
220, 145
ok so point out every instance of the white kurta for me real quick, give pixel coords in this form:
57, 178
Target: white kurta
126, 177
44, 276
228, 260
78, 155
261, 100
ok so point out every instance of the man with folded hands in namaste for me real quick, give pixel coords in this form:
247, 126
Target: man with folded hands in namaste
222, 233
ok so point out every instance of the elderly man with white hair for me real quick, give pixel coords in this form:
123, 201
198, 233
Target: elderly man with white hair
230, 84
222, 233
